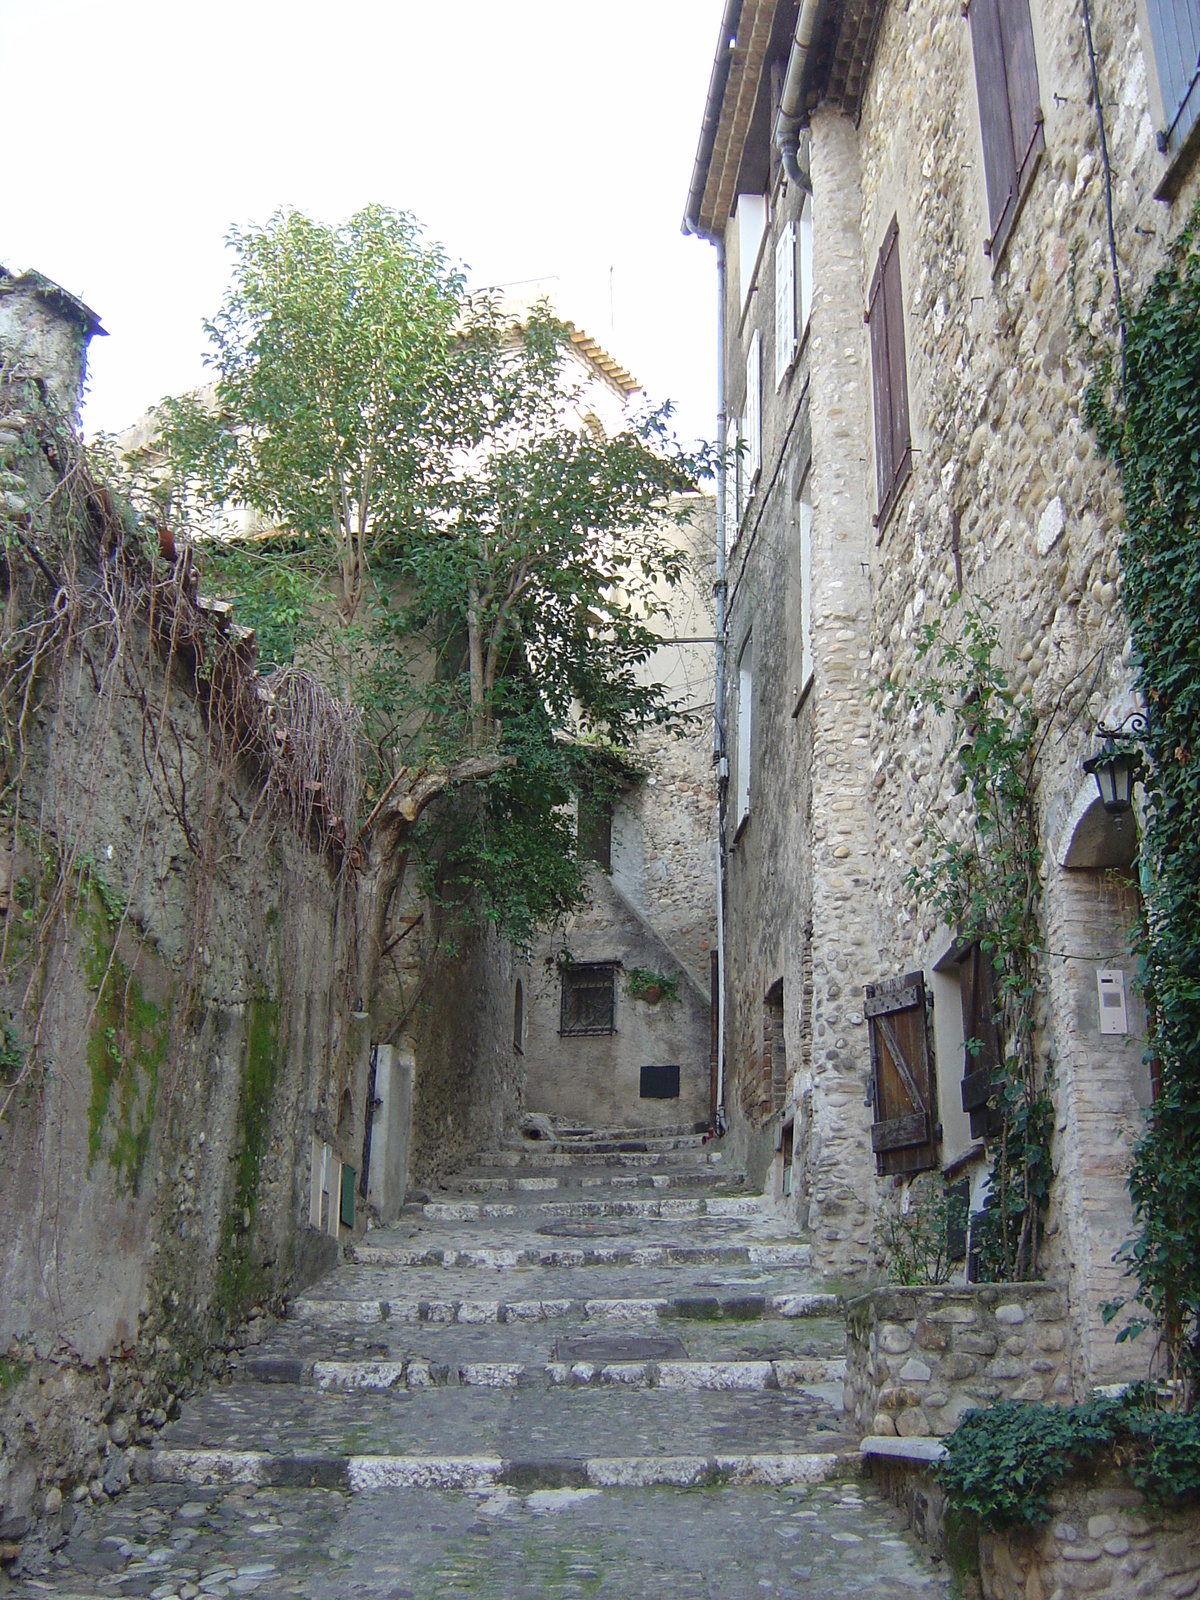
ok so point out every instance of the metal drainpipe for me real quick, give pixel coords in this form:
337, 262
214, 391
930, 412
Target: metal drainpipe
792, 109
720, 758
731, 17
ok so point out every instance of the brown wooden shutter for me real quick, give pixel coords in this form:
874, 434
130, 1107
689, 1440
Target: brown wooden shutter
1021, 76
880, 386
904, 1137
889, 372
979, 1023
897, 363
995, 118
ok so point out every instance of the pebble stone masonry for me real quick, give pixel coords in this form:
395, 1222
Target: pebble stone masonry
919, 1359
595, 1369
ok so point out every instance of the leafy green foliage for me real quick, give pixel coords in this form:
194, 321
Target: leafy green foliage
914, 1230
640, 980
437, 535
981, 875
11, 1373
1145, 408
1003, 1463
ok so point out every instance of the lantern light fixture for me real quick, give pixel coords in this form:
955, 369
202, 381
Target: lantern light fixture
1116, 766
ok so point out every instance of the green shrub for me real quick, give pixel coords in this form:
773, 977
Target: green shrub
1003, 1463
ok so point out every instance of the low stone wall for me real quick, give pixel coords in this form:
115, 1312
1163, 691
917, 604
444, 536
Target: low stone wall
1103, 1541
917, 1360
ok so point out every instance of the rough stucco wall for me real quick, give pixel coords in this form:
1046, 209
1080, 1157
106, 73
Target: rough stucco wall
104, 1280
995, 381
595, 1082
468, 1087
665, 828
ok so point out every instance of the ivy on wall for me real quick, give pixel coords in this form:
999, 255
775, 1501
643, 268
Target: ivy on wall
1002, 1464
1144, 404
979, 872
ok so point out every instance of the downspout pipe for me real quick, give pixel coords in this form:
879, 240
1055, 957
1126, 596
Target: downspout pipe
692, 224
793, 112
720, 591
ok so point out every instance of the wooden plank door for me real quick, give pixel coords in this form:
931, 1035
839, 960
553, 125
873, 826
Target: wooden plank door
904, 1136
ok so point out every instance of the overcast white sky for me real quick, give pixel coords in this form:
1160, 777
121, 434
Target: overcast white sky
535, 138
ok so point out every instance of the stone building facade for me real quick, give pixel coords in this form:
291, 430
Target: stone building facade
652, 902
919, 433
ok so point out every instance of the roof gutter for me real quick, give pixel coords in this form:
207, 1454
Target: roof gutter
793, 112
712, 115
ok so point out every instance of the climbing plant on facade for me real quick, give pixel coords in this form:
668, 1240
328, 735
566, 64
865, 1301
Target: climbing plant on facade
1144, 403
979, 872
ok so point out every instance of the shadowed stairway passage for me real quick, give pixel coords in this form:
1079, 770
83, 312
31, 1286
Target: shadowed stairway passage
588, 1366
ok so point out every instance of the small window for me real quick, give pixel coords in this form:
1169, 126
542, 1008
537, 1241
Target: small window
519, 1019
785, 302
774, 1065
752, 417
1010, 111
889, 375
983, 1049
733, 499
744, 728
902, 1087
1175, 38
806, 643
589, 998
751, 224
806, 263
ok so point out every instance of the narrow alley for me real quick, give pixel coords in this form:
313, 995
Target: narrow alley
593, 1369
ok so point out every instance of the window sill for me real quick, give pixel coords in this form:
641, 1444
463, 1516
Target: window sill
793, 364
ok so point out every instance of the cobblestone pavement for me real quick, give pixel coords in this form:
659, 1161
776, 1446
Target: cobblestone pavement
649, 1412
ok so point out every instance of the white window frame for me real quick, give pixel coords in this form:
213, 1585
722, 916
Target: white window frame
806, 264
744, 727
752, 416
785, 302
751, 226
733, 501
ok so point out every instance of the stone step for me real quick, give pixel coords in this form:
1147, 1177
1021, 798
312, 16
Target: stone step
527, 1207
476, 1474
544, 1155
344, 1310
513, 1422
290, 1349
635, 1253
710, 1181
822, 1376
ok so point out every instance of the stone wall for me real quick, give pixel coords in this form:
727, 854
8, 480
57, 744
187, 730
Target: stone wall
917, 1359
596, 1081
1104, 1541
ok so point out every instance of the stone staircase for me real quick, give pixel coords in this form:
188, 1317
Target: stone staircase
597, 1353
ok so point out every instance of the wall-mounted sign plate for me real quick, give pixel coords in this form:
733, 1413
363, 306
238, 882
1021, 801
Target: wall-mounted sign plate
1113, 1016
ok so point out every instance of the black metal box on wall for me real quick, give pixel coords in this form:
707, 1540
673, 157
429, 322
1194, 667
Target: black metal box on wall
660, 1083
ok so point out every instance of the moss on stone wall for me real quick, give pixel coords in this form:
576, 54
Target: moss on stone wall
239, 1274
127, 1045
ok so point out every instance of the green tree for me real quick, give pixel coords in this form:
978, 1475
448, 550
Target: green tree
449, 551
